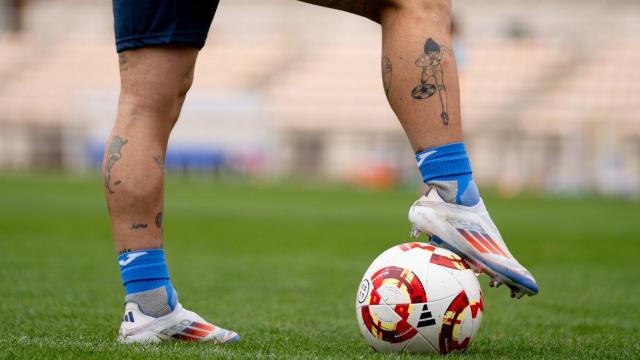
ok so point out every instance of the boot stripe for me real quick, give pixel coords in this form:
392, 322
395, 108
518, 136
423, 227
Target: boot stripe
472, 241
484, 242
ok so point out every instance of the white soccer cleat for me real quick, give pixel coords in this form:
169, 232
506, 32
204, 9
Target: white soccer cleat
180, 324
469, 232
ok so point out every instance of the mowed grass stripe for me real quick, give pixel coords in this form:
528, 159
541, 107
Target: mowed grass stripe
280, 263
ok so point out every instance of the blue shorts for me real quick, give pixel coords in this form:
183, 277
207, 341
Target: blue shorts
141, 23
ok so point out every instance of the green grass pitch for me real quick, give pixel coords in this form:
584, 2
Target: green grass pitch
280, 264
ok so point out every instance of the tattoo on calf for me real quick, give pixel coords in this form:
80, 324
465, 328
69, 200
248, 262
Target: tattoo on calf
387, 73
159, 161
159, 220
123, 251
135, 226
114, 153
123, 62
432, 80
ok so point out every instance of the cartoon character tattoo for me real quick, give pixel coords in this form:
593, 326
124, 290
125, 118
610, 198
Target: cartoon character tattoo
113, 155
432, 80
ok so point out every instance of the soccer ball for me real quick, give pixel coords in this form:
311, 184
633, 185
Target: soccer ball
416, 297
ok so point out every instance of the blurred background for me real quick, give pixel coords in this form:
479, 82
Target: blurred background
286, 90
550, 94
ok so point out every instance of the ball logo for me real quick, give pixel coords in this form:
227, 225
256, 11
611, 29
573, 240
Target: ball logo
363, 291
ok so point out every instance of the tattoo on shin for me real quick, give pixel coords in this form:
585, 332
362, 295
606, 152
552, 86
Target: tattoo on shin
387, 73
135, 226
159, 220
114, 153
432, 80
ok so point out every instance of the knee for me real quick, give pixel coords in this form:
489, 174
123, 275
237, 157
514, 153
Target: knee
155, 96
155, 82
435, 12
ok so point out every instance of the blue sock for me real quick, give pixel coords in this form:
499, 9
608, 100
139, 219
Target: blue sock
447, 169
146, 281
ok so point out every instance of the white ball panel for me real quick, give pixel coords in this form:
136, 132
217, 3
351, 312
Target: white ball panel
441, 283
420, 345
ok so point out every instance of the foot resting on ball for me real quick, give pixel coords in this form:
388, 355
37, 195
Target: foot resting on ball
469, 232
454, 216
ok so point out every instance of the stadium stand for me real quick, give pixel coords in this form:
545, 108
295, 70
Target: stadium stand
540, 108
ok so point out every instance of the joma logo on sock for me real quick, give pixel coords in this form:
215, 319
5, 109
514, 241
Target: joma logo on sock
422, 157
131, 257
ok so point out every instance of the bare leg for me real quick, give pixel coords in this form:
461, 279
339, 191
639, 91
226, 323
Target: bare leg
418, 67
154, 83
416, 40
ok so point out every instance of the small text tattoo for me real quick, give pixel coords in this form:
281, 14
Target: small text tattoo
123, 251
114, 153
432, 80
387, 73
135, 226
159, 220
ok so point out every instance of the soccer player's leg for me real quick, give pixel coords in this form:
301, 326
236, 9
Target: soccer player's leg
154, 83
420, 80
